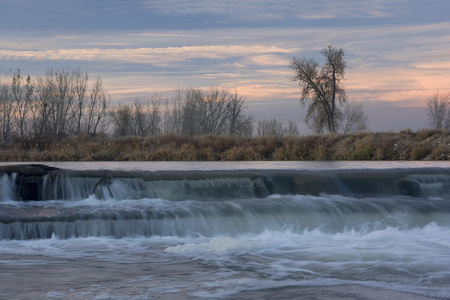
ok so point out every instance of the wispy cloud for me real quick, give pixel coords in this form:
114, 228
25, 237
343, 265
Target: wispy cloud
387, 63
270, 60
280, 9
350, 9
250, 10
155, 56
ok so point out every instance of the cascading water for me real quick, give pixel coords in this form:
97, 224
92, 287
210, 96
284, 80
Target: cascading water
7, 187
433, 185
264, 230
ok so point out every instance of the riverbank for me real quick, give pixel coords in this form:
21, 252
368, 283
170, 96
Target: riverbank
404, 145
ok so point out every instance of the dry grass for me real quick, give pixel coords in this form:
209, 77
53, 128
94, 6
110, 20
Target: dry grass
405, 145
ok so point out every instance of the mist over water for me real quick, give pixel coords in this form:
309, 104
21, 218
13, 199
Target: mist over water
270, 231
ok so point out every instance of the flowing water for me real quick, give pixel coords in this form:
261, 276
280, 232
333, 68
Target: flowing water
252, 230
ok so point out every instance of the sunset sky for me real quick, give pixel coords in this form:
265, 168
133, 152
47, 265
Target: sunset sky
398, 51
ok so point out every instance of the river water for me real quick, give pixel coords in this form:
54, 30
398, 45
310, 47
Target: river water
248, 230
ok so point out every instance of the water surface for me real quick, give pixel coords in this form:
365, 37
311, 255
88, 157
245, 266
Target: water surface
234, 234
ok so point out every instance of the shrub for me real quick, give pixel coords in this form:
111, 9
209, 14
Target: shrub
364, 152
320, 153
419, 153
386, 154
241, 154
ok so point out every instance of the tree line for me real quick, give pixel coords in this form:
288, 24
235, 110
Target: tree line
190, 112
54, 106
438, 105
65, 103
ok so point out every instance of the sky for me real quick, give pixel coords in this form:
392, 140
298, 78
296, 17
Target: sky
397, 51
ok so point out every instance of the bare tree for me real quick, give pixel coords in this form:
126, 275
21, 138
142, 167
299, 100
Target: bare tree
80, 89
173, 114
212, 112
215, 111
438, 106
52, 105
247, 128
140, 118
7, 112
154, 114
41, 108
61, 105
238, 123
353, 118
22, 97
189, 110
14, 106
322, 89
62, 101
123, 120
291, 129
97, 109
147, 116
272, 127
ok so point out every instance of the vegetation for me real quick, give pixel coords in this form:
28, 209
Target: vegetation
324, 96
405, 145
61, 104
438, 106
274, 128
55, 106
63, 116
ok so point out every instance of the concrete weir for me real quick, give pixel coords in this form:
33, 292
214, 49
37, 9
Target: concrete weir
29, 180
39, 182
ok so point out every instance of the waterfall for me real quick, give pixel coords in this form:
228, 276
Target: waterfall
156, 217
7, 187
132, 203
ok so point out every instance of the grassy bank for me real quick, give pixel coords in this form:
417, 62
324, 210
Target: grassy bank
405, 145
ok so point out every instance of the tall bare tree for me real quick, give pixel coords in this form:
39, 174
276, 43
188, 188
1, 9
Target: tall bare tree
173, 114
189, 110
7, 112
97, 109
80, 85
322, 88
22, 93
239, 123
438, 106
41, 108
62, 101
147, 116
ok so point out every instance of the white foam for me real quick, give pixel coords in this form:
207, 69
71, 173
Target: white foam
221, 246
55, 295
